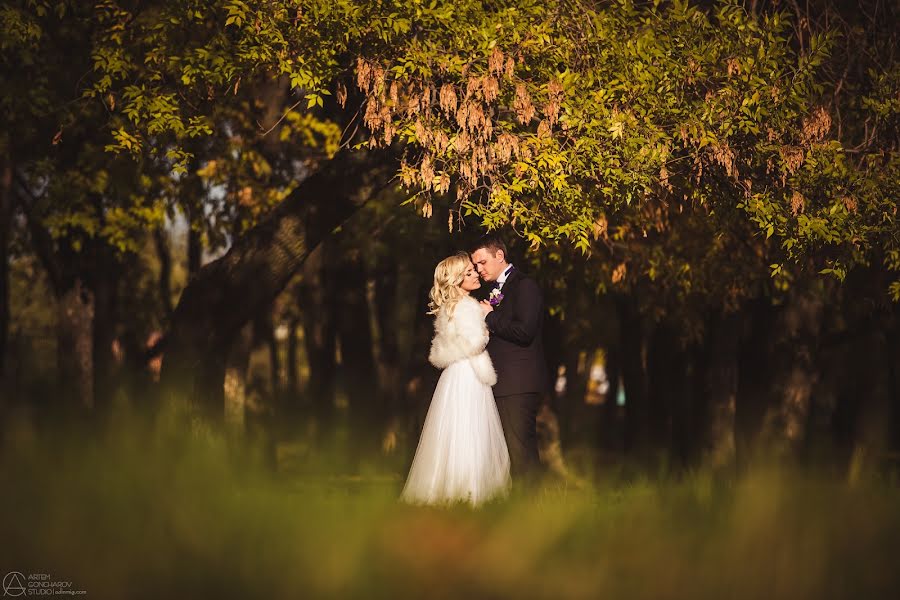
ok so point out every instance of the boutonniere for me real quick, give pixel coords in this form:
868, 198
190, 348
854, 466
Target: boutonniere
495, 297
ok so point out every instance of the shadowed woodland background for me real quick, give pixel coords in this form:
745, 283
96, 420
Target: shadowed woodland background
230, 212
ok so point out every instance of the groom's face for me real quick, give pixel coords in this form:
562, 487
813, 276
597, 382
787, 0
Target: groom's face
489, 265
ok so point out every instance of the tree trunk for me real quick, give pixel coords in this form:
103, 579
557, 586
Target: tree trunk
75, 343
316, 295
682, 405
754, 388
293, 358
668, 402
264, 333
634, 376
695, 428
870, 389
164, 284
228, 292
74, 305
577, 366
420, 377
104, 331
609, 435
785, 421
6, 201
193, 196
235, 385
357, 369
194, 248
721, 390
388, 356
661, 384
893, 343
554, 349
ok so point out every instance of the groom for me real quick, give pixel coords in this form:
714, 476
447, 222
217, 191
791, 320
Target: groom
514, 313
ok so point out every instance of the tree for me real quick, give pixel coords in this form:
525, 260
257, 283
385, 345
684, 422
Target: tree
705, 159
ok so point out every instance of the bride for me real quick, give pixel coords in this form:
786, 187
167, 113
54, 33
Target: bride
462, 455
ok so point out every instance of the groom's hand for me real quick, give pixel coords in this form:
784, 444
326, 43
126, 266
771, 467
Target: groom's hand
486, 307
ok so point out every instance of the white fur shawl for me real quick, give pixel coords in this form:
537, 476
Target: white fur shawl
462, 336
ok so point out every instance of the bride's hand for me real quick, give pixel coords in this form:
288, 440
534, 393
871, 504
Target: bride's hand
486, 307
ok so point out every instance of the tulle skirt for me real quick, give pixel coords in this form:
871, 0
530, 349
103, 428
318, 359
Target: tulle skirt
462, 455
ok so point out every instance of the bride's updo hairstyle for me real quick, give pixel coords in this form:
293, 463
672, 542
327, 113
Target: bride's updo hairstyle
448, 276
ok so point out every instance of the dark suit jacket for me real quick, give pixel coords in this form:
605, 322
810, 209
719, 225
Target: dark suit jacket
515, 346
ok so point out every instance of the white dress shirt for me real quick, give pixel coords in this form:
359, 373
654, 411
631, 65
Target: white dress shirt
502, 278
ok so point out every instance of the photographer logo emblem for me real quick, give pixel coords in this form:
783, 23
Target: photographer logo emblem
14, 584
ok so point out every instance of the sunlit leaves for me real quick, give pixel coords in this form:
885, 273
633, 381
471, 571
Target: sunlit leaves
688, 130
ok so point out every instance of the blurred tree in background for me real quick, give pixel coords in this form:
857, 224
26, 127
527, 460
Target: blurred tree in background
706, 192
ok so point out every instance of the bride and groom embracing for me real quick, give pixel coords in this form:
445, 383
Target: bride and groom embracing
481, 421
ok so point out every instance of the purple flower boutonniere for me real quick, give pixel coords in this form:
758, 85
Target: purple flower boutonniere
495, 297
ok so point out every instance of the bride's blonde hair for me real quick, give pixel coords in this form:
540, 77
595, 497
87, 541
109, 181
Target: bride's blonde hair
448, 276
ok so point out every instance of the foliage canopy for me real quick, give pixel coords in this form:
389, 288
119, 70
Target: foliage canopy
699, 149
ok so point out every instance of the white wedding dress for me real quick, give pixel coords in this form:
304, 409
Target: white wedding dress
462, 455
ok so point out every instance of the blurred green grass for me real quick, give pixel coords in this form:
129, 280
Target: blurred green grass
143, 511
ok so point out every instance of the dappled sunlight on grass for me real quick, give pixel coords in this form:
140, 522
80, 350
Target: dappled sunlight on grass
145, 512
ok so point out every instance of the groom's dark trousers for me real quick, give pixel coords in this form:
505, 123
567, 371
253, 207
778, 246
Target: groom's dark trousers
516, 349
518, 414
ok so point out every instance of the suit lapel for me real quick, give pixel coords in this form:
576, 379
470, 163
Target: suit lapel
512, 279
510, 285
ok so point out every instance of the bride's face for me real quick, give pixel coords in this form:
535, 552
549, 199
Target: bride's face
470, 280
